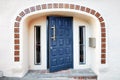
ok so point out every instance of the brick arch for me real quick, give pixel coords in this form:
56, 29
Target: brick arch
58, 6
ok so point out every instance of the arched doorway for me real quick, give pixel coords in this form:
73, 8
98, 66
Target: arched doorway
82, 16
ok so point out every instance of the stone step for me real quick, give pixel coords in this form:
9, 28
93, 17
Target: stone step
86, 78
70, 74
72, 78
55, 78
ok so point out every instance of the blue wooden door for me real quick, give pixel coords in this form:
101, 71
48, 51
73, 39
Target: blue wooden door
60, 40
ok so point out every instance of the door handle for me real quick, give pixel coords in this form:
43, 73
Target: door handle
54, 33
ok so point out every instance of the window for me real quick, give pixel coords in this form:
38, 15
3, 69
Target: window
37, 54
82, 44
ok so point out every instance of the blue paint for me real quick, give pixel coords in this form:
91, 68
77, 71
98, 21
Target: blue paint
60, 54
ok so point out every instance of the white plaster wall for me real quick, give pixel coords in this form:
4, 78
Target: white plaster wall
40, 21
95, 32
93, 55
77, 22
109, 9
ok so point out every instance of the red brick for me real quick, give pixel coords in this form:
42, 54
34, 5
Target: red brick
16, 35
18, 18
101, 19
82, 8
16, 47
55, 5
38, 7
16, 24
92, 77
75, 77
66, 5
102, 24
97, 14
32, 9
103, 30
92, 12
103, 39
16, 30
103, 45
103, 50
87, 10
49, 6
16, 41
16, 53
22, 14
103, 61
60, 5
27, 11
16, 59
71, 6
103, 55
103, 34
82, 77
77, 7
44, 6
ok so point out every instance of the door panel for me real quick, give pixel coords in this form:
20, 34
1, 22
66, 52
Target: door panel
60, 35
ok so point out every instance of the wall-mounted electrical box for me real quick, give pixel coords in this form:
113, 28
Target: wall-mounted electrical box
92, 42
